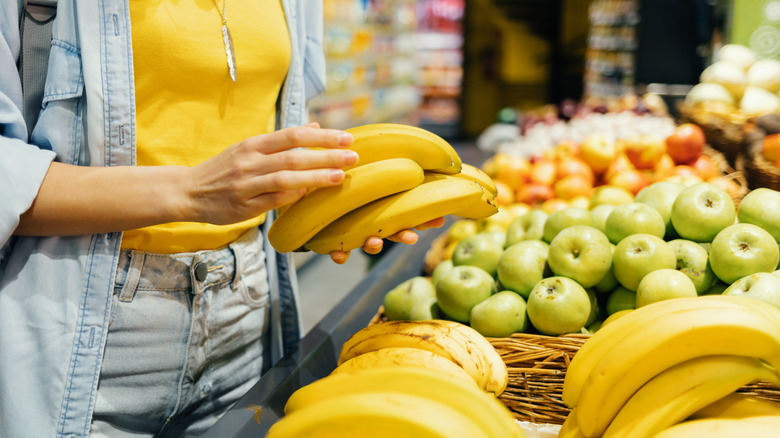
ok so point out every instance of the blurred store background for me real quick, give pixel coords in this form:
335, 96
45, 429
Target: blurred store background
451, 66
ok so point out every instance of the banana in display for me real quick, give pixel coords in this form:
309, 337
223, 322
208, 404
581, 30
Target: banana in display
439, 195
405, 357
490, 415
389, 414
380, 141
753, 427
300, 221
648, 371
680, 391
738, 405
454, 341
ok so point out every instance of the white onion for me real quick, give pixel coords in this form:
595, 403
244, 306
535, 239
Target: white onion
724, 73
708, 92
736, 54
765, 73
759, 101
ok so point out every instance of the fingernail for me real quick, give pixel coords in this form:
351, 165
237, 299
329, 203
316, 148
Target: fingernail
336, 175
350, 157
345, 138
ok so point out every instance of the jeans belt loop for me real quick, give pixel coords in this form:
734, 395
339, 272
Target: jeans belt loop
133, 276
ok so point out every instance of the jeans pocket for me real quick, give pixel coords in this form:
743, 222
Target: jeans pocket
254, 289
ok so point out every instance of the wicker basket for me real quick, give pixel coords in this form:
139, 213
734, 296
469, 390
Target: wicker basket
723, 126
537, 366
758, 171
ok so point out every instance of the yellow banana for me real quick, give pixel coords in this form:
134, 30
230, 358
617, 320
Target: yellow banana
436, 337
570, 428
683, 389
434, 198
753, 427
485, 206
380, 141
738, 405
477, 175
499, 375
301, 220
404, 357
742, 330
383, 414
609, 335
490, 415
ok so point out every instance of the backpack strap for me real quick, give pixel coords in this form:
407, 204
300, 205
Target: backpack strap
35, 32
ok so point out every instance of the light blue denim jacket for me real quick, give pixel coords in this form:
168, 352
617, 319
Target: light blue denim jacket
55, 292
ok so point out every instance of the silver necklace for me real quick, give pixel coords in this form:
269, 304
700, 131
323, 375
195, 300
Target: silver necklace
228, 41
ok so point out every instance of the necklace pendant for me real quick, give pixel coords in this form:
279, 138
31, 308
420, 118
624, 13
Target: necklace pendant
231, 56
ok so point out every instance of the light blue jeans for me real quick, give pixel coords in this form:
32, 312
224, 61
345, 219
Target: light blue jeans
185, 340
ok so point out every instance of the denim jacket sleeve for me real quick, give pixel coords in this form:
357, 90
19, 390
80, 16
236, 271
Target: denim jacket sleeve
22, 166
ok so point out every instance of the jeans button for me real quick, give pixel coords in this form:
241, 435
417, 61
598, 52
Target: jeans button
201, 271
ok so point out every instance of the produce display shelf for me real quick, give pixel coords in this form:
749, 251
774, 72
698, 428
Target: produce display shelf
316, 356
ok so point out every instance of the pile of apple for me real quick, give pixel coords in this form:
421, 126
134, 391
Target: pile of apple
569, 173
569, 270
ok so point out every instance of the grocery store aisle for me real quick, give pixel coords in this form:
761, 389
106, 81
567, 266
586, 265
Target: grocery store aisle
323, 283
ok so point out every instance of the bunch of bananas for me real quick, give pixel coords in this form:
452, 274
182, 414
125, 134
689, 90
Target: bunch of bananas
388, 384
405, 176
459, 343
652, 369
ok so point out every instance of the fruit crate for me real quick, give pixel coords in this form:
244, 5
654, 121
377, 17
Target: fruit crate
537, 366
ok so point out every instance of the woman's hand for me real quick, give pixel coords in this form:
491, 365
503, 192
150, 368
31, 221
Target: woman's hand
264, 172
374, 244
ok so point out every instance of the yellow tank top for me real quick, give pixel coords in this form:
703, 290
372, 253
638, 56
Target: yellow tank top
188, 108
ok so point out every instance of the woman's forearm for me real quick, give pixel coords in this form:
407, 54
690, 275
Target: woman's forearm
76, 200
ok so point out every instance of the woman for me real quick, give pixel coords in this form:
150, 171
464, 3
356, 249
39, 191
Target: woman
137, 294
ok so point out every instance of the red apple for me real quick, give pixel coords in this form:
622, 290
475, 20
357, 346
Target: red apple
645, 151
573, 166
630, 179
705, 167
534, 193
542, 172
573, 186
685, 143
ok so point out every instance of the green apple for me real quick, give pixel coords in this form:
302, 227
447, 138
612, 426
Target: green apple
743, 249
621, 299
693, 261
528, 226
441, 267
425, 310
582, 253
609, 282
661, 195
500, 315
633, 218
461, 288
565, 218
717, 288
462, 228
595, 310
558, 305
399, 300
599, 214
761, 286
481, 250
522, 265
595, 326
498, 236
761, 206
608, 194
663, 284
639, 254
701, 211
